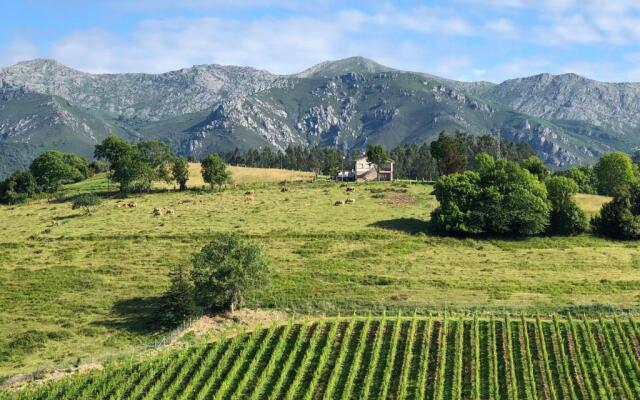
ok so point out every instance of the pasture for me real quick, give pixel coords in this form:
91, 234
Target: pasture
81, 287
384, 358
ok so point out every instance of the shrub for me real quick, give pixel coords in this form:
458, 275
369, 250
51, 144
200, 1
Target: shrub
177, 303
86, 201
99, 166
501, 197
18, 188
225, 269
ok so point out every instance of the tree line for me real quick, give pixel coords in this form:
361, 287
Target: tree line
448, 154
134, 167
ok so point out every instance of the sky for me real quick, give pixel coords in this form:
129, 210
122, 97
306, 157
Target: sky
469, 40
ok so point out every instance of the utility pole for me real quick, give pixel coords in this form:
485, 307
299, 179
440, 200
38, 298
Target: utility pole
499, 150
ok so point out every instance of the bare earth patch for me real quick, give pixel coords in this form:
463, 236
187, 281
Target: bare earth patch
399, 199
20, 381
228, 324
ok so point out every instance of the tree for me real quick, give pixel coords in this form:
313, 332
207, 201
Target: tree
77, 162
214, 170
225, 269
159, 157
500, 197
457, 195
180, 171
615, 172
86, 201
50, 171
535, 165
177, 304
567, 217
619, 218
377, 155
18, 188
449, 153
113, 149
132, 173
584, 177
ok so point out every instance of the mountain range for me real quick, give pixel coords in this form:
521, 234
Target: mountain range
567, 119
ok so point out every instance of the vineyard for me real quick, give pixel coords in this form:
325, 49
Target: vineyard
383, 357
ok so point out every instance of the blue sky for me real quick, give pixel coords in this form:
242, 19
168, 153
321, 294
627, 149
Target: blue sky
459, 39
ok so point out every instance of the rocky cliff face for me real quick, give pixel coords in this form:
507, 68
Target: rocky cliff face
347, 103
570, 98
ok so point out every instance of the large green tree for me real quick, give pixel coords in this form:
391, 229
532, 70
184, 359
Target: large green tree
133, 173
450, 153
50, 171
112, 149
214, 170
225, 269
159, 157
615, 172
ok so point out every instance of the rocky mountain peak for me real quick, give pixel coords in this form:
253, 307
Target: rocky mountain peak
344, 66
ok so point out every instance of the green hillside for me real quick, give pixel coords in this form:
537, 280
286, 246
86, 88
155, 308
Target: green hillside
79, 287
384, 358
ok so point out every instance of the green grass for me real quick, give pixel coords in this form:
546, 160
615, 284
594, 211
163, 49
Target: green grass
78, 288
225, 368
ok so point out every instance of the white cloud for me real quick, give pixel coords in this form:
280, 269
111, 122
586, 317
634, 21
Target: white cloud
281, 45
501, 26
17, 50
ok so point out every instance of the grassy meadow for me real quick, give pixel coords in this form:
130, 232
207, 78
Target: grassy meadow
77, 287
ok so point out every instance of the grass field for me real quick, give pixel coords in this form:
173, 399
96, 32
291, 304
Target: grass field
78, 287
385, 358
246, 175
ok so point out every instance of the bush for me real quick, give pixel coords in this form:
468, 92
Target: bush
86, 201
18, 188
501, 197
620, 218
99, 166
177, 303
225, 269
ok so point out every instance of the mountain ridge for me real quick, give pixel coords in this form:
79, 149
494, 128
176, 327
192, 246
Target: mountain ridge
568, 119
